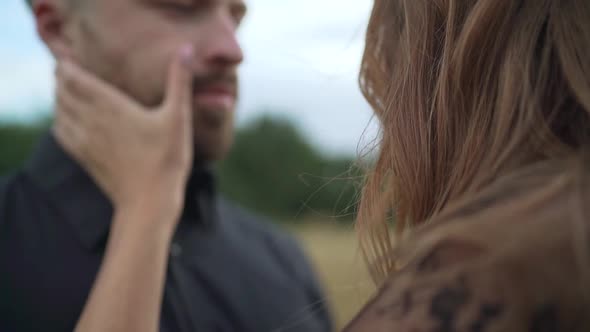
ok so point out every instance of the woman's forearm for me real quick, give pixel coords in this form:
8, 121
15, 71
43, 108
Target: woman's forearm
127, 293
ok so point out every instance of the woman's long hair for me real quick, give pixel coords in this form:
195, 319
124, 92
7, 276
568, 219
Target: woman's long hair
467, 92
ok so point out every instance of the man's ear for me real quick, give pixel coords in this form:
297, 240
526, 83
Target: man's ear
50, 18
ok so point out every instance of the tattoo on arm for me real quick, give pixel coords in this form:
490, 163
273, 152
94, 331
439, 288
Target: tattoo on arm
446, 303
545, 320
487, 313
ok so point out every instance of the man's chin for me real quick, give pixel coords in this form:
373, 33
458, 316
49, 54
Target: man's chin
212, 117
212, 141
205, 154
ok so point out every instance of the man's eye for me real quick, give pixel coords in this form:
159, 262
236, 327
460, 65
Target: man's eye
178, 7
238, 15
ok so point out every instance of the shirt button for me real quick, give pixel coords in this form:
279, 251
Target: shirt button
175, 250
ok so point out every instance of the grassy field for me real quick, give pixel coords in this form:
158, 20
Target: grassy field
335, 254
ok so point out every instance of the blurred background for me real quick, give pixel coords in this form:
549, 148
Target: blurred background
302, 124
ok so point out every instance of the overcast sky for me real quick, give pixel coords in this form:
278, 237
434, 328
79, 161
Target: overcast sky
302, 60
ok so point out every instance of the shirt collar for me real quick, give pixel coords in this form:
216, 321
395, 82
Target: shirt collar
82, 203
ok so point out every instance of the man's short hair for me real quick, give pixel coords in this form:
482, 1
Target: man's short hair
30, 2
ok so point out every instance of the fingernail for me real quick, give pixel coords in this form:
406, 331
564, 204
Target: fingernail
186, 54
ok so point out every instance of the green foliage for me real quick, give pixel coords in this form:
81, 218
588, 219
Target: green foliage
274, 170
271, 169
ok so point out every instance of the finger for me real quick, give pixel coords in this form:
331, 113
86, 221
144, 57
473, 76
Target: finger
68, 133
179, 86
85, 85
94, 102
68, 76
66, 101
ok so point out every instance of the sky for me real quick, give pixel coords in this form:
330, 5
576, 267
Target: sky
302, 60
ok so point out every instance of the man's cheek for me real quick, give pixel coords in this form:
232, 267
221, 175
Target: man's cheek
148, 81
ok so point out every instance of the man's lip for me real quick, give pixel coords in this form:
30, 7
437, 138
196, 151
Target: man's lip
215, 99
216, 89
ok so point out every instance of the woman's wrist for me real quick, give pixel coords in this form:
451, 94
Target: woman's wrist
148, 215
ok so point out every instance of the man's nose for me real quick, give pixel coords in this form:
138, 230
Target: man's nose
220, 44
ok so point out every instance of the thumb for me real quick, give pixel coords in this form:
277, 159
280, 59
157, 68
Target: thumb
179, 86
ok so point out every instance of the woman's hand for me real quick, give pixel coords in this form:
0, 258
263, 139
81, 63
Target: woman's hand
139, 157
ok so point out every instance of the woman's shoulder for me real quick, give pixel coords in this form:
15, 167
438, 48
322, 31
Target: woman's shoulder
436, 291
460, 285
512, 259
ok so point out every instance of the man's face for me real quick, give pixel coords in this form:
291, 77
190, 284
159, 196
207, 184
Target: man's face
130, 43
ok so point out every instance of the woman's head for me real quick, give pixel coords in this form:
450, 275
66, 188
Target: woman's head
467, 91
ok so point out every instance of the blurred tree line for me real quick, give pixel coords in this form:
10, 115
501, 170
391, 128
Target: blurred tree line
272, 169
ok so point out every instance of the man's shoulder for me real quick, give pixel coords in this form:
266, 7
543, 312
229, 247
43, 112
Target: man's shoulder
262, 230
285, 251
16, 193
277, 241
11, 185
8, 179
250, 222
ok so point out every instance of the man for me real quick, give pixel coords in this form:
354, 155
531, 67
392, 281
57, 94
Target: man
224, 270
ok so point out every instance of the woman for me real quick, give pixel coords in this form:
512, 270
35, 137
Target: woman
484, 107
482, 166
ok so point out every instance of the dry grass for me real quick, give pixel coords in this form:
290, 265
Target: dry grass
335, 254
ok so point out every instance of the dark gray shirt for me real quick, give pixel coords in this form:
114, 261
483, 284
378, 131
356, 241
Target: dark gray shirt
226, 272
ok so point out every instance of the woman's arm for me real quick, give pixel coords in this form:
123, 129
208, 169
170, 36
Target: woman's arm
141, 159
127, 293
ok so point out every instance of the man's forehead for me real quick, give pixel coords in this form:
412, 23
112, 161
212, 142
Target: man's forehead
240, 5
236, 2
242, 2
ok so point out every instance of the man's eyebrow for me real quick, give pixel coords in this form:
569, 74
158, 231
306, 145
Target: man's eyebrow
239, 7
